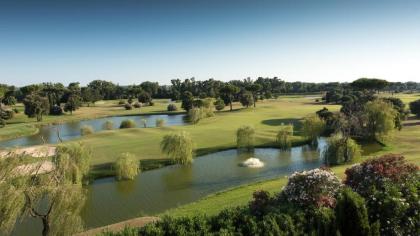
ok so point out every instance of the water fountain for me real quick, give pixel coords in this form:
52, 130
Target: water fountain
252, 163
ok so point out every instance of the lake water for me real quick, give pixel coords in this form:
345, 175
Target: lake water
155, 191
71, 130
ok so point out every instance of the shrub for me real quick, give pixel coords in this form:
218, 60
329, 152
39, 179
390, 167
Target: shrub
108, 125
172, 107
121, 102
380, 120
137, 105
126, 167
6, 114
219, 104
178, 146
145, 98
260, 203
390, 188
325, 222
312, 127
415, 107
86, 130
151, 103
341, 150
316, 187
128, 106
245, 137
196, 225
246, 99
16, 111
195, 115
160, 122
127, 124
283, 137
375, 172
56, 110
352, 214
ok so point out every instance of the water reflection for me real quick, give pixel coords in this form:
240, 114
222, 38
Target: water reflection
157, 190
71, 130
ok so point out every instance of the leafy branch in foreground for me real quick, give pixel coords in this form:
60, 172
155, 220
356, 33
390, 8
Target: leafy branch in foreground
50, 191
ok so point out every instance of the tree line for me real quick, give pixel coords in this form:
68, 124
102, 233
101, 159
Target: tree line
55, 98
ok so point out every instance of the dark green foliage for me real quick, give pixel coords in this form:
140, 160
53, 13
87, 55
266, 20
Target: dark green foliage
36, 106
415, 107
341, 149
172, 107
352, 214
137, 105
187, 101
266, 215
325, 222
56, 110
127, 124
260, 203
197, 225
145, 98
247, 99
228, 93
333, 96
219, 104
390, 187
128, 106
399, 106
369, 84
9, 100
73, 103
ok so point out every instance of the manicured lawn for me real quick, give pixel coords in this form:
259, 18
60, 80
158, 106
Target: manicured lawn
406, 142
21, 125
211, 134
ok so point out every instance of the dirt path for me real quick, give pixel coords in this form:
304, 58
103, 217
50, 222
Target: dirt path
136, 222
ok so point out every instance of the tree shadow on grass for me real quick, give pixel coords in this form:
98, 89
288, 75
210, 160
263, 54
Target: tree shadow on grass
278, 122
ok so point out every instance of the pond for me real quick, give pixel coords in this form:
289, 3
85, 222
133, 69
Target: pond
157, 190
71, 130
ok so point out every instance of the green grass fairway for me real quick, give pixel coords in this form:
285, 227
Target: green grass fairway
406, 142
21, 125
211, 134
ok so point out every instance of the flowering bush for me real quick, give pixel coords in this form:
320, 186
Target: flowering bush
316, 187
390, 187
375, 172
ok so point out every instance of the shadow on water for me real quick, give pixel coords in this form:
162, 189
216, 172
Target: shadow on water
155, 191
71, 130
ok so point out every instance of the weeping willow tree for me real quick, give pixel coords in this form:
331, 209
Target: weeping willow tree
283, 137
245, 137
195, 115
380, 119
126, 167
108, 125
312, 128
178, 146
55, 196
341, 149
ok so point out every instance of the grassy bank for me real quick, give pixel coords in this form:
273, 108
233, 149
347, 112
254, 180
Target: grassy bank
210, 135
405, 142
21, 125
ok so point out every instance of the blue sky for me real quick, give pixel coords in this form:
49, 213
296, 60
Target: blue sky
133, 41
